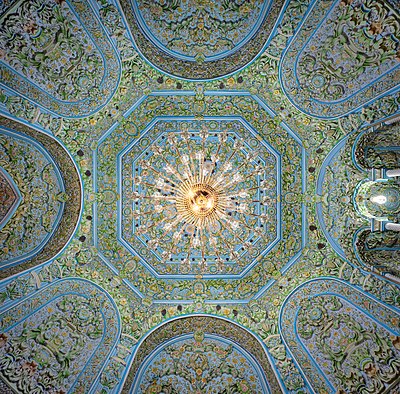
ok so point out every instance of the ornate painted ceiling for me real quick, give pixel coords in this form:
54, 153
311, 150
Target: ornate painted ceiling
200, 196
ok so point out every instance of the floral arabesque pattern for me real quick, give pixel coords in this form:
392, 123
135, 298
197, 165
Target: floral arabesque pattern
210, 345
58, 338
41, 186
330, 69
201, 364
9, 197
354, 342
196, 29
62, 62
220, 37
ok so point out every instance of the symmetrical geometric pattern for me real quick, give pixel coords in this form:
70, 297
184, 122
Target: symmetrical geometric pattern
201, 354
241, 239
120, 158
200, 39
245, 221
343, 56
341, 338
56, 340
56, 57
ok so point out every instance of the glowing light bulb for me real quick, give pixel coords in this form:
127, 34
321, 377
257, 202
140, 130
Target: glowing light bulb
168, 226
379, 199
243, 194
160, 183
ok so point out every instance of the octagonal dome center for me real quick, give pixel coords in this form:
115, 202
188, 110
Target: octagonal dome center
202, 197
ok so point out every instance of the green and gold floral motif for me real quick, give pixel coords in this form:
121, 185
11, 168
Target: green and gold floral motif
200, 39
56, 340
201, 354
342, 56
9, 198
199, 366
60, 61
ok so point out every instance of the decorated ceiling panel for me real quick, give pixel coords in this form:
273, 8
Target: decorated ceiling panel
360, 336
56, 54
344, 54
42, 197
201, 354
24, 160
199, 196
58, 338
200, 39
10, 197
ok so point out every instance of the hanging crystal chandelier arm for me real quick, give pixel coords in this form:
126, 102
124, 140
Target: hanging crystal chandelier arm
208, 178
245, 224
254, 188
202, 245
214, 159
176, 173
240, 221
224, 240
251, 175
224, 166
233, 181
189, 170
263, 216
245, 163
173, 224
191, 244
138, 213
190, 164
235, 150
151, 226
218, 181
157, 224
172, 170
178, 154
226, 228
199, 157
162, 198
222, 178
165, 178
201, 163
187, 165
164, 186
256, 215
229, 197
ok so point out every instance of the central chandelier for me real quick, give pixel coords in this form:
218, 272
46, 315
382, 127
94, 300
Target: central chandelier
198, 202
199, 198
